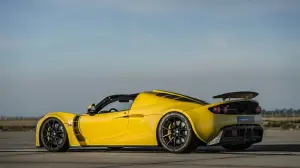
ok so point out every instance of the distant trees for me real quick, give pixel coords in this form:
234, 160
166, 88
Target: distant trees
281, 112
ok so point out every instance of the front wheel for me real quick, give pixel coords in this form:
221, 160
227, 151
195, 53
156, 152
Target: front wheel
175, 133
54, 136
238, 147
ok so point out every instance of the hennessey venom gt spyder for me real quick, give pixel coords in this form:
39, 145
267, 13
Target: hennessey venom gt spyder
176, 122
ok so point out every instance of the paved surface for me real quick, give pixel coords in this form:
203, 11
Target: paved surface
280, 149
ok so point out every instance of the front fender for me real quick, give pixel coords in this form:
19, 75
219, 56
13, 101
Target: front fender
66, 118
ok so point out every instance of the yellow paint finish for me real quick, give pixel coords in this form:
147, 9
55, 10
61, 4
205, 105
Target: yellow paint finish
64, 117
138, 125
142, 130
104, 128
203, 123
149, 103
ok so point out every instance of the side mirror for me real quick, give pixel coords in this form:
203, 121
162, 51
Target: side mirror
91, 109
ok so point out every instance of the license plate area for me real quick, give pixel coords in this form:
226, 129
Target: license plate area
245, 120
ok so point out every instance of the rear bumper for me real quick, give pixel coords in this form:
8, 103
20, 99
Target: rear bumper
238, 134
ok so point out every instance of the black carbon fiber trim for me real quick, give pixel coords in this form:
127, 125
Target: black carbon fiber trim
77, 133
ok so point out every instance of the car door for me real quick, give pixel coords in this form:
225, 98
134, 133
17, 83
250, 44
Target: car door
108, 126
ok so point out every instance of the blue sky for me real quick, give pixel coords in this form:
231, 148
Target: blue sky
62, 55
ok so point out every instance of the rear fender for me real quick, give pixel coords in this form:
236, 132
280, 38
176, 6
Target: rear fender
207, 124
187, 115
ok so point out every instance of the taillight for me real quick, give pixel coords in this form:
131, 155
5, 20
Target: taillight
258, 109
237, 108
225, 109
217, 109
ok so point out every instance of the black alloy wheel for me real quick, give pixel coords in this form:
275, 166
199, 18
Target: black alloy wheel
175, 133
53, 136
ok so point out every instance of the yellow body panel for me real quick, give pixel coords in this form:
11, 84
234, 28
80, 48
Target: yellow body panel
138, 126
101, 129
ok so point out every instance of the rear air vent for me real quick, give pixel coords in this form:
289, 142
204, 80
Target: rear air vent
174, 97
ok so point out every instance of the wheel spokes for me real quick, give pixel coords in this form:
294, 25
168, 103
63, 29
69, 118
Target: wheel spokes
166, 128
53, 133
174, 132
167, 135
170, 140
174, 142
48, 123
47, 135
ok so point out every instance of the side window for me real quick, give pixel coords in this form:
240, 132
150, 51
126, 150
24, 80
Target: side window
117, 106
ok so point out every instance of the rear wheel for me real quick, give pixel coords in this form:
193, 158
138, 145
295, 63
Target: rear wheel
54, 136
237, 147
175, 133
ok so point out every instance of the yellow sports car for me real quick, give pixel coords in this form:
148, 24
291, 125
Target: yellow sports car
176, 122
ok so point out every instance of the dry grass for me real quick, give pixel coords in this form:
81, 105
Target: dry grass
30, 122
18, 125
282, 122
282, 118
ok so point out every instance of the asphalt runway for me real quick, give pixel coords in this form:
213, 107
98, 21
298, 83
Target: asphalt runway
279, 149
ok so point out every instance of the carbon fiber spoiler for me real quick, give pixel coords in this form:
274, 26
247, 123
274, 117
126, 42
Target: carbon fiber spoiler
240, 94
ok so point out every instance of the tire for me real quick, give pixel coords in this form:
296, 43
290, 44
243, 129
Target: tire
175, 133
53, 135
238, 147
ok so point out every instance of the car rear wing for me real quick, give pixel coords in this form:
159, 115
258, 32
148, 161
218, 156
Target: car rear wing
240, 94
